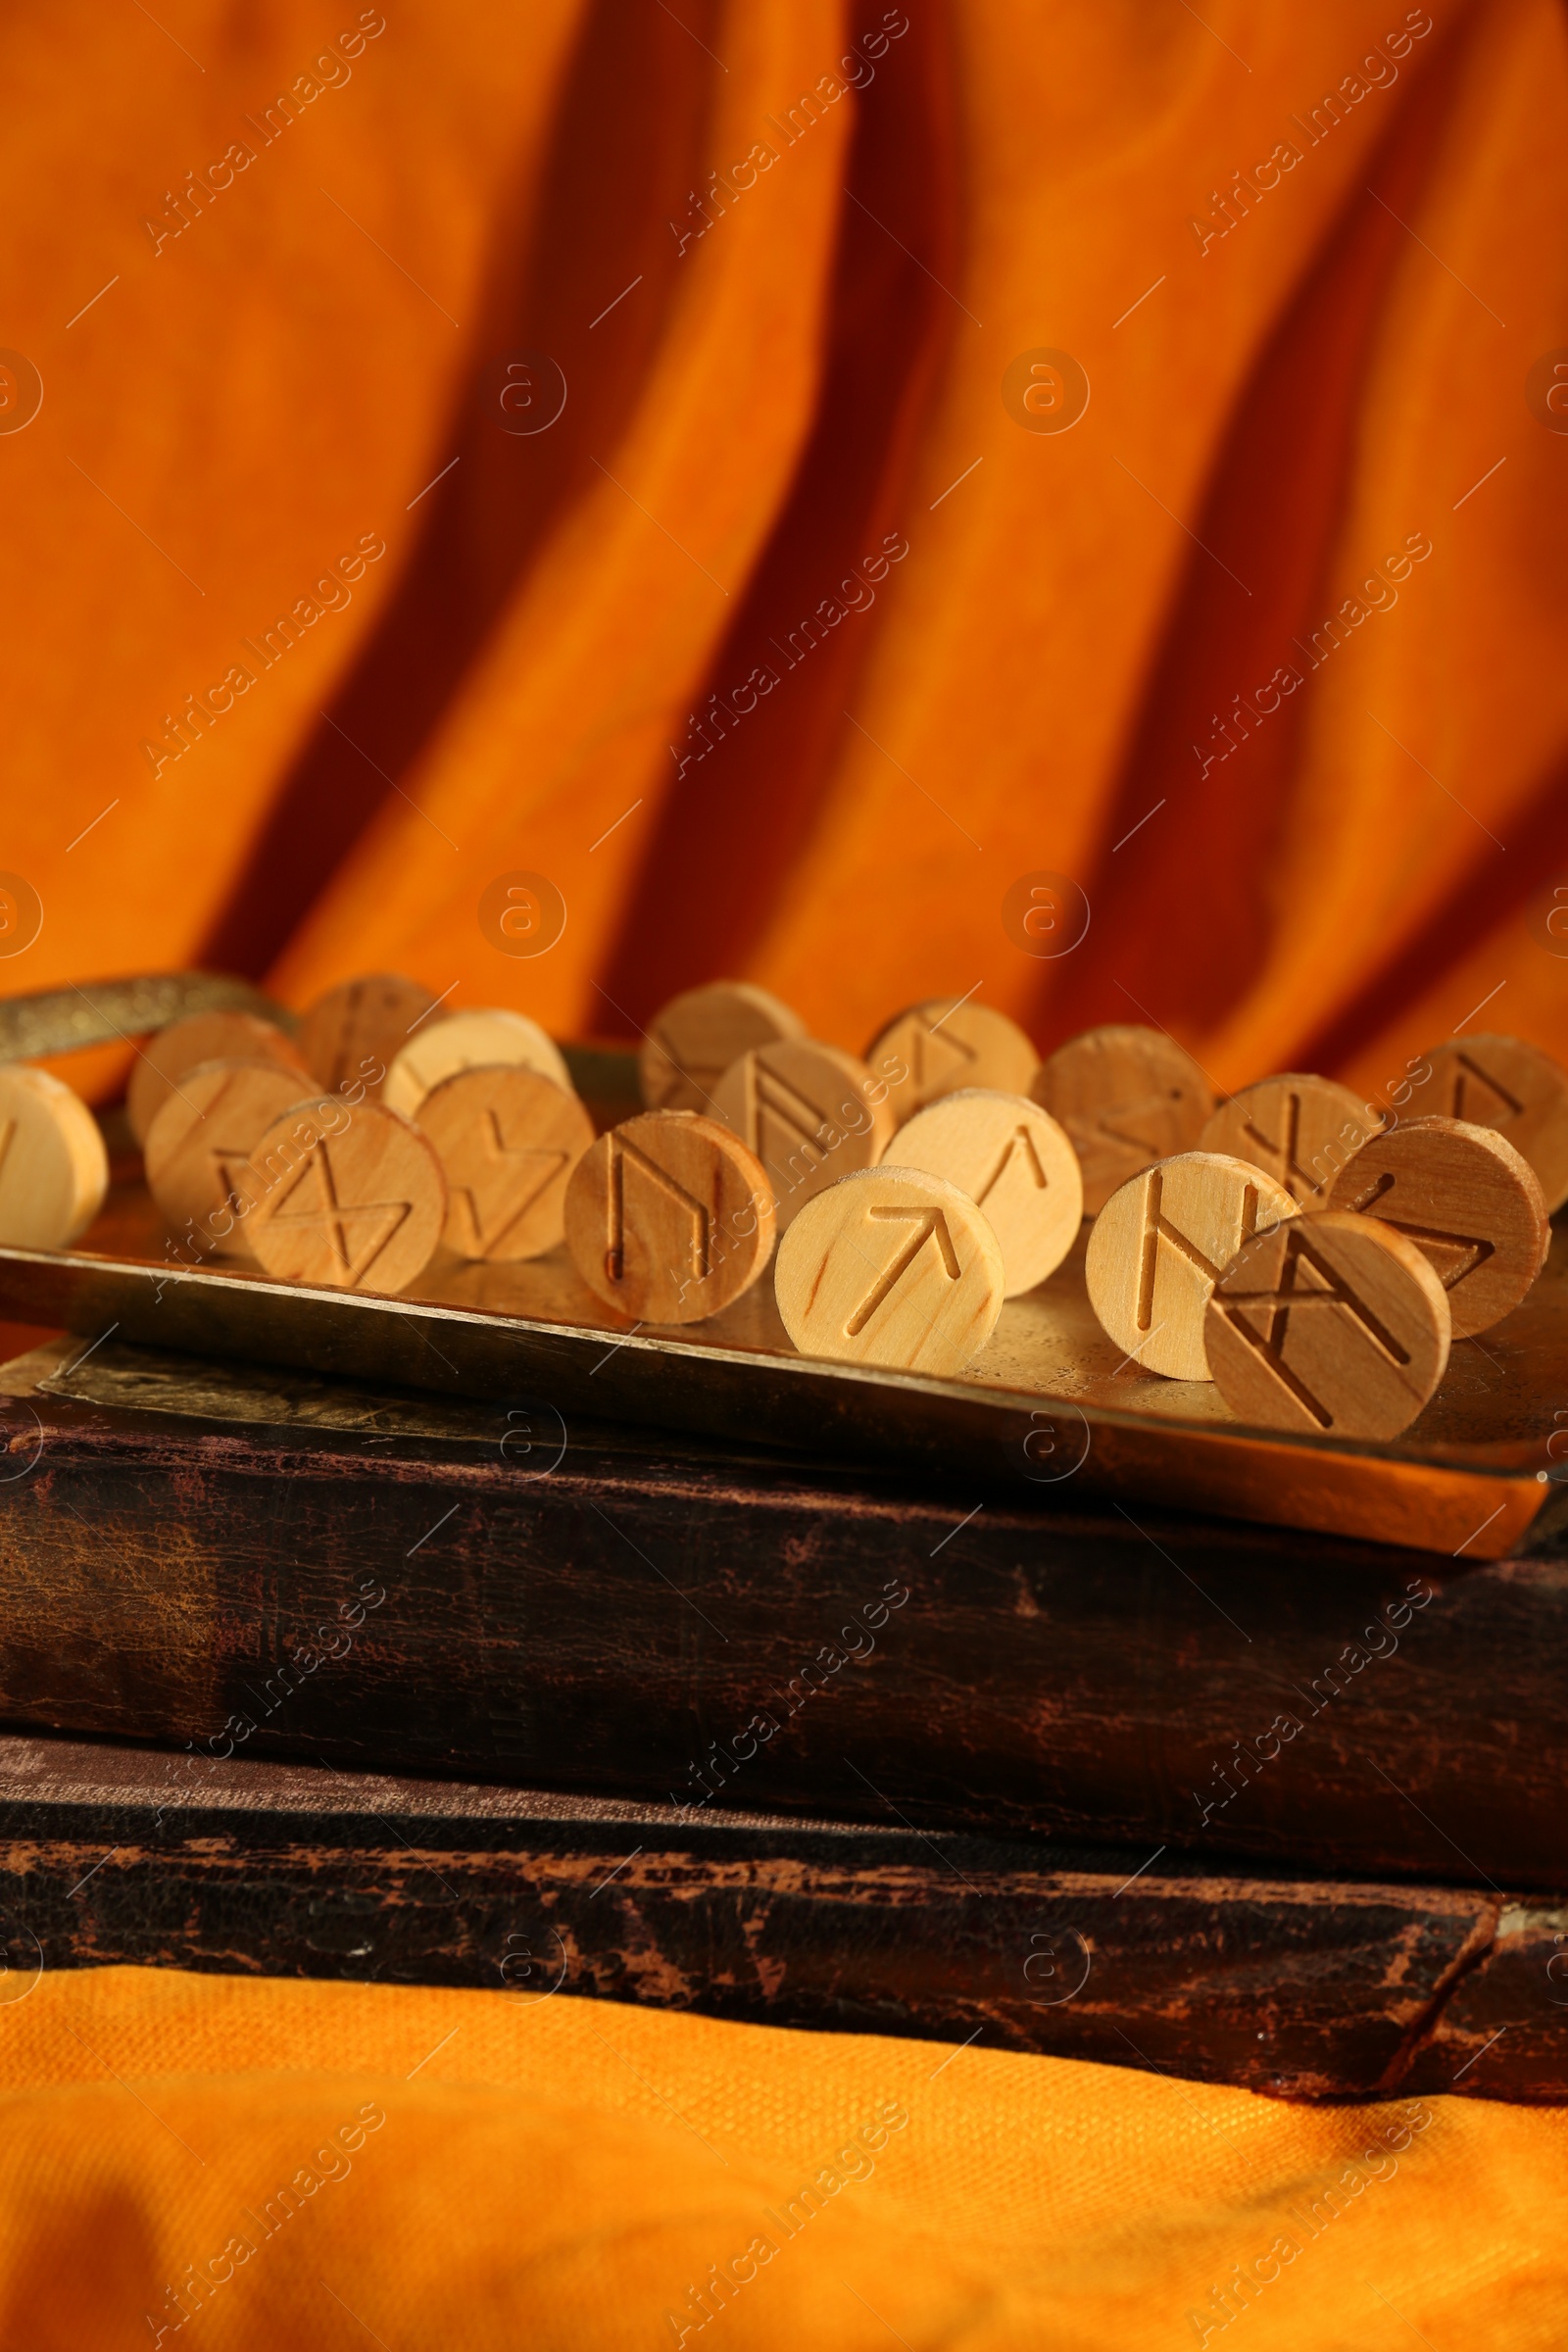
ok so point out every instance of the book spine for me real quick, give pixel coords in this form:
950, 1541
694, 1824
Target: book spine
1365, 1987
1214, 1690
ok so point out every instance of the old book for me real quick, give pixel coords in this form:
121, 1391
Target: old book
258, 1564
1306, 1990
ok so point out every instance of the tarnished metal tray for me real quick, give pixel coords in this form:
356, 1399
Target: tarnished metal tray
1049, 1408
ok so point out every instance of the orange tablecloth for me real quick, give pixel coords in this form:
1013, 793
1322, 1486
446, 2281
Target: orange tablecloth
329, 2165
787, 648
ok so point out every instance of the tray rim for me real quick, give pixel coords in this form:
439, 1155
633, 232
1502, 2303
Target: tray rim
1378, 1493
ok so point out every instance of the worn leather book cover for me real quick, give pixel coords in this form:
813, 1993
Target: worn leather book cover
259, 1565
1303, 1989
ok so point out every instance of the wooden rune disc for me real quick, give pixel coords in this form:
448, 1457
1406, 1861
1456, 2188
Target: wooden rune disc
1333, 1324
54, 1170
1504, 1083
692, 1041
1301, 1130
891, 1267
1470, 1203
670, 1218
199, 1144
360, 1026
163, 1061
507, 1141
353, 1200
948, 1043
1160, 1244
811, 1112
468, 1041
1127, 1096
1016, 1163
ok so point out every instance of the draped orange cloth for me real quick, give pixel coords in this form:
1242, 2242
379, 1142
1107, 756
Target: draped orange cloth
822, 616
784, 257
260, 2167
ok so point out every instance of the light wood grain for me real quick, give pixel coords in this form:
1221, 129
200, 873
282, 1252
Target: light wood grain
811, 1112
199, 1144
54, 1170
1127, 1096
164, 1058
1501, 1082
670, 1218
355, 1031
948, 1043
351, 1199
694, 1038
1301, 1130
1160, 1244
1469, 1201
1333, 1325
893, 1267
507, 1141
468, 1041
1014, 1161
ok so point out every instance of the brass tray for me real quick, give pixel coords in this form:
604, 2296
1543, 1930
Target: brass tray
1050, 1409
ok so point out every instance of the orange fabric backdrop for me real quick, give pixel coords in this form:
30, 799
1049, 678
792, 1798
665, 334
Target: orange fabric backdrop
1044, 681
751, 411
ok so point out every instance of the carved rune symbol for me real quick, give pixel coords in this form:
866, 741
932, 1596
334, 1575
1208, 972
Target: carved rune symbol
629, 1168
771, 1103
929, 1224
497, 1182
938, 1061
230, 1161
1477, 1095
1137, 1126
1019, 1147
347, 1038
1305, 1279
356, 1231
704, 1075
232, 1165
1452, 1255
1297, 1180
1157, 1228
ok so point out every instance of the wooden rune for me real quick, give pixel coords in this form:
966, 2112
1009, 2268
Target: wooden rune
893, 1267
1333, 1324
507, 1141
1160, 1244
466, 1041
1503, 1082
163, 1061
360, 1026
1301, 1129
54, 1169
951, 1042
811, 1112
1469, 1201
200, 1143
670, 1218
1015, 1162
693, 1040
1126, 1095
353, 1200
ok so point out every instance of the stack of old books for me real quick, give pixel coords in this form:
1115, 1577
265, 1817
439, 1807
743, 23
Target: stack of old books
301, 1677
